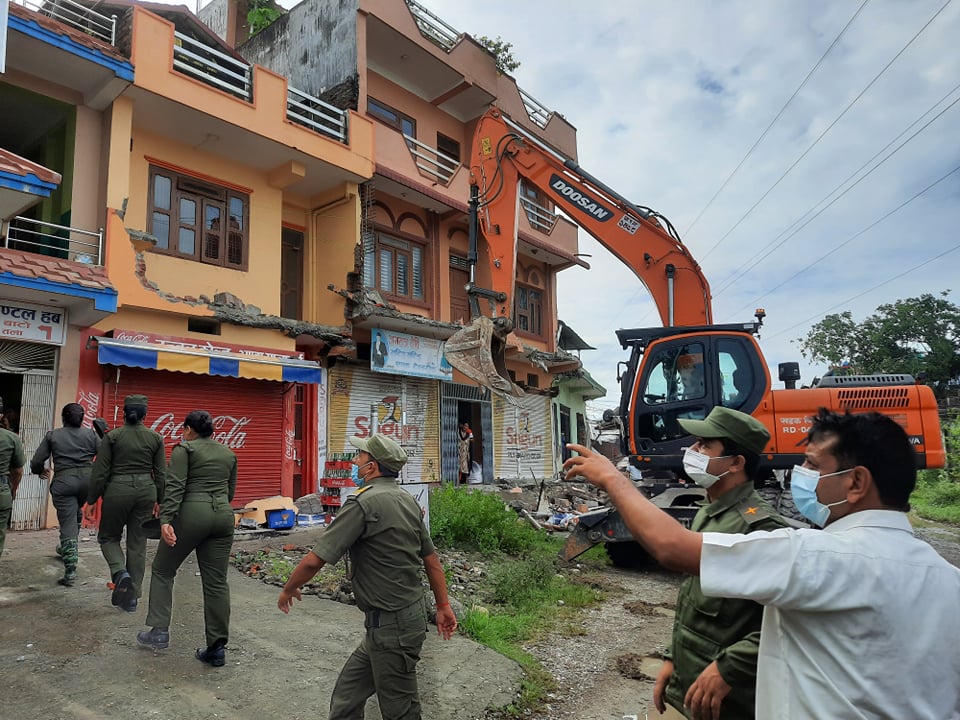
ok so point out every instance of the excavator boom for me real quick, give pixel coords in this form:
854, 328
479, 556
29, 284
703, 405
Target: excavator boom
502, 157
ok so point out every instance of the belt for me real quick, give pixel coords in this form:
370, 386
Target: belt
79, 471
375, 617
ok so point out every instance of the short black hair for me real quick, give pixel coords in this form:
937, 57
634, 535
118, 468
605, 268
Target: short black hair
751, 460
200, 422
877, 443
384, 472
72, 414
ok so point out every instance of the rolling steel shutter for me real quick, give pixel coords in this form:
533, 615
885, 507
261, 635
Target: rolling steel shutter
248, 415
523, 438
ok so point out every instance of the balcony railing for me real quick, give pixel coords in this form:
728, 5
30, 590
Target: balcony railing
540, 217
235, 77
212, 67
431, 161
76, 15
536, 111
52, 240
316, 114
433, 28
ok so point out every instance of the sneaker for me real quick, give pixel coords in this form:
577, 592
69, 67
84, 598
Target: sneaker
122, 588
130, 606
215, 656
155, 638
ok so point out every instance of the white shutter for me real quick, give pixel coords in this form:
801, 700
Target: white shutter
36, 414
523, 438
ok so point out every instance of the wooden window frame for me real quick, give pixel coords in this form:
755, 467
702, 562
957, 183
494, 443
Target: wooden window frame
229, 249
450, 143
531, 315
379, 111
393, 242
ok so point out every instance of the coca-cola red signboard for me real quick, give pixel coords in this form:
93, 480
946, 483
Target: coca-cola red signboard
247, 415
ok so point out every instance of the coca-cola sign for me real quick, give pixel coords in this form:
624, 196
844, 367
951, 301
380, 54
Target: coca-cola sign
227, 429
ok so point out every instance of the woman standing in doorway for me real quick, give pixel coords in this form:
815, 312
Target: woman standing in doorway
465, 450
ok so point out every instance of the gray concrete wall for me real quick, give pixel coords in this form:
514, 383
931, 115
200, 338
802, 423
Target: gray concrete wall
314, 45
214, 16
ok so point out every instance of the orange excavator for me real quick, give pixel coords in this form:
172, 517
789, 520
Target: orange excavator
680, 370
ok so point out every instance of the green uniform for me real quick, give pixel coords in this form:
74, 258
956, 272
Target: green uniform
129, 475
72, 450
382, 528
723, 629
201, 482
12, 461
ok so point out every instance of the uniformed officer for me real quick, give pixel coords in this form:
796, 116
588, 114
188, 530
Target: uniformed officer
382, 527
712, 657
12, 460
195, 515
129, 475
72, 449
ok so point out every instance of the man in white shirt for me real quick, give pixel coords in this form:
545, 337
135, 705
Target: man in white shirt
861, 619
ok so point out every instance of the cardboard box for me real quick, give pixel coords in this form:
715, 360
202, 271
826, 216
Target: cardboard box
311, 519
280, 519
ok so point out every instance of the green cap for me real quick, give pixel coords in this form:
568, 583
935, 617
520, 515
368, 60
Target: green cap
746, 431
140, 400
388, 454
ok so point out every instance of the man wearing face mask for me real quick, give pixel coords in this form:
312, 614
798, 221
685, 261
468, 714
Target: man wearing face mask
382, 528
860, 619
711, 660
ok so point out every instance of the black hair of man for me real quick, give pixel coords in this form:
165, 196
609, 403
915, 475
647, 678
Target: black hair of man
72, 415
134, 414
877, 443
387, 473
751, 461
200, 422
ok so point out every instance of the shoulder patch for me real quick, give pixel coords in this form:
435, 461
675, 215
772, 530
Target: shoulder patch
753, 512
362, 490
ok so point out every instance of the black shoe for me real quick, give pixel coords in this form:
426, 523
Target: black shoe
69, 578
130, 606
215, 656
122, 589
155, 638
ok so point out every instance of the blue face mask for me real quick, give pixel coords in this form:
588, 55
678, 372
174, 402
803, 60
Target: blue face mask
355, 473
803, 488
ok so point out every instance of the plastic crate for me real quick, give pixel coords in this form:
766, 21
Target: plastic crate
280, 519
335, 482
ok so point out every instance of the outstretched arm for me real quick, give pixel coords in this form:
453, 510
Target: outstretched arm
668, 541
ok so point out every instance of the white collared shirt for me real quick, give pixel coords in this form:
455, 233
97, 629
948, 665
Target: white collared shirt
861, 619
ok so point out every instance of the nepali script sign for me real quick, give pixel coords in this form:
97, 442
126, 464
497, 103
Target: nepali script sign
411, 355
38, 323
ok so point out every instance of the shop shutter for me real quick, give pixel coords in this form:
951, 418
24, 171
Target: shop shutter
404, 408
36, 411
248, 415
523, 438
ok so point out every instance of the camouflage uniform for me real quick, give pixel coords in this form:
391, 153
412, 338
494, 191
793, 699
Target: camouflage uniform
12, 460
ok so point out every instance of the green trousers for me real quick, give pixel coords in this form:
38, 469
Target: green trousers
385, 663
127, 502
68, 490
204, 524
6, 510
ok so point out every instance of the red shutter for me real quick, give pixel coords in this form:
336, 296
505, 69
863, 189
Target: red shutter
248, 414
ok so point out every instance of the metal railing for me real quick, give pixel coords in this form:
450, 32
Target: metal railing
536, 111
317, 115
52, 240
540, 217
433, 28
76, 15
432, 161
212, 67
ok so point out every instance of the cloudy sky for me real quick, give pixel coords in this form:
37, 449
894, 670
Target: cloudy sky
807, 152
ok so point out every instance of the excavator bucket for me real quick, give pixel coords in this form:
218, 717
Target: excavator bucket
477, 351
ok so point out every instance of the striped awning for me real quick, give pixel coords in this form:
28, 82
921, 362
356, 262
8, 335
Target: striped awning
206, 362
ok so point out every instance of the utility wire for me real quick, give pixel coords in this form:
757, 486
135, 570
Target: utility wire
773, 122
832, 124
800, 223
853, 237
865, 292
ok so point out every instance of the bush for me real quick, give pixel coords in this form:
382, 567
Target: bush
474, 520
937, 495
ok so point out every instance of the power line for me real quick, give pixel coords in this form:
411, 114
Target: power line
831, 125
773, 122
801, 222
866, 292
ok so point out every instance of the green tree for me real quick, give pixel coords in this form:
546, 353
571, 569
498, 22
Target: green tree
262, 13
501, 51
913, 335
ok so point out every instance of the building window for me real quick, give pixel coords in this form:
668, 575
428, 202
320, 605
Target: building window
395, 267
529, 310
448, 146
394, 118
195, 219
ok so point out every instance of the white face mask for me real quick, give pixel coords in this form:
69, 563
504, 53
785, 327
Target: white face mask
695, 465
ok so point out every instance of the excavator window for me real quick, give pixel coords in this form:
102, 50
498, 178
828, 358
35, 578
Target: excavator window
737, 376
678, 373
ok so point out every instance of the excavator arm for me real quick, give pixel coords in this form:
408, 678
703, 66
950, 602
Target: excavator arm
502, 157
